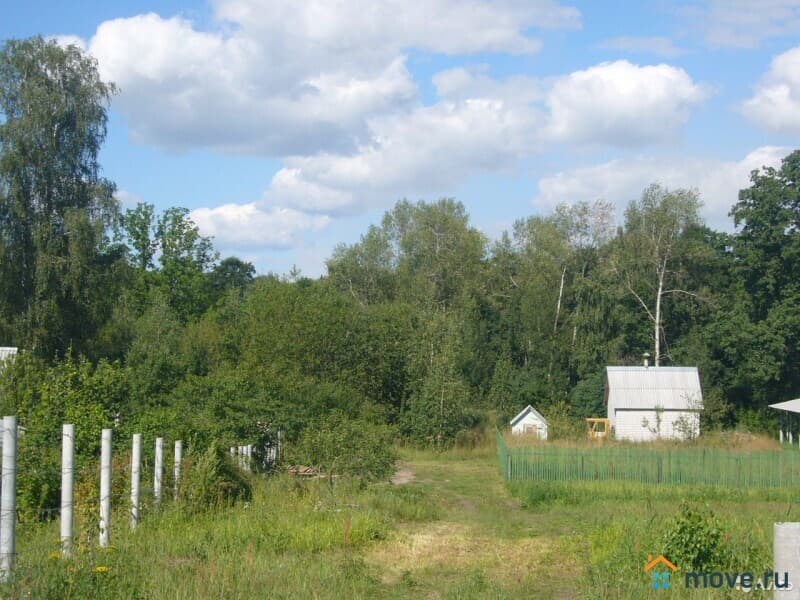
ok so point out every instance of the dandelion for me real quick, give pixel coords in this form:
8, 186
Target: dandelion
101, 569
54, 555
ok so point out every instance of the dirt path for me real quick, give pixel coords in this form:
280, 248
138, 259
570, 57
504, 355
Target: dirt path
403, 475
483, 534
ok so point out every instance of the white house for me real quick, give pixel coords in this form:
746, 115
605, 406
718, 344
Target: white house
648, 403
529, 421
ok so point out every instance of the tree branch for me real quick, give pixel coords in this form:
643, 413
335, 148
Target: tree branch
688, 293
639, 298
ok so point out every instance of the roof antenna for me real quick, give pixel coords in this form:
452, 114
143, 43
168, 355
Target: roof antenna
646, 357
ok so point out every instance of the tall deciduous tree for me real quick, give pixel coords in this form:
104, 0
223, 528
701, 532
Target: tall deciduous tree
654, 226
186, 258
54, 206
139, 224
767, 251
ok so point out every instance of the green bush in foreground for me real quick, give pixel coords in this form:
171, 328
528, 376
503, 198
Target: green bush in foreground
694, 539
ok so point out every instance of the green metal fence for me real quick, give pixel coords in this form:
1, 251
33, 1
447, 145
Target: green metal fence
681, 466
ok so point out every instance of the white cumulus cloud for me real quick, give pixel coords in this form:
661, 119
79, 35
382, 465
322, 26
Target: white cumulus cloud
425, 152
620, 181
255, 225
744, 23
622, 104
281, 78
776, 102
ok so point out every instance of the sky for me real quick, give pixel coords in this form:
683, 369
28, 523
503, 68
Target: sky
289, 127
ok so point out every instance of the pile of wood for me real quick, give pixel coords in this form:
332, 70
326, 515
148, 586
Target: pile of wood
302, 471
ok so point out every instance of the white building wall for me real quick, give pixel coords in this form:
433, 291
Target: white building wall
531, 424
674, 424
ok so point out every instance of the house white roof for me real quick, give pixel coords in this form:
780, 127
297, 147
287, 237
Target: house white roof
671, 388
525, 412
789, 406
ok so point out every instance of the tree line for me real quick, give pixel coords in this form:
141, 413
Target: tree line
423, 329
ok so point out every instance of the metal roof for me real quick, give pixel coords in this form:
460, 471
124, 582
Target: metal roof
789, 406
524, 412
671, 388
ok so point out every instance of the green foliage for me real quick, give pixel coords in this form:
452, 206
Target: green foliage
587, 398
211, 480
359, 448
43, 398
186, 257
562, 425
502, 393
154, 357
55, 209
694, 540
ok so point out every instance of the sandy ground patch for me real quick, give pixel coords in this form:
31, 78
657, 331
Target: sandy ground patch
452, 546
402, 476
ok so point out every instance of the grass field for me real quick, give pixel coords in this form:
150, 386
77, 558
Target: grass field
451, 530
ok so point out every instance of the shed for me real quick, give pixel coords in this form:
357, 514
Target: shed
648, 403
529, 421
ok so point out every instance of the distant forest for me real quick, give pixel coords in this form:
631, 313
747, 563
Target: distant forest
424, 326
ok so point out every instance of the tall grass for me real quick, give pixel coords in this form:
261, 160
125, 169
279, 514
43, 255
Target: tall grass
294, 539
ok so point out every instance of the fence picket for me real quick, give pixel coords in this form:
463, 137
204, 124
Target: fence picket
677, 466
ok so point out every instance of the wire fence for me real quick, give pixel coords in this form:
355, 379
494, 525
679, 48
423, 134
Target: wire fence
678, 466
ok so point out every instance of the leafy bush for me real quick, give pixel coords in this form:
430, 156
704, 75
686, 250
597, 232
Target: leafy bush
357, 447
694, 540
212, 480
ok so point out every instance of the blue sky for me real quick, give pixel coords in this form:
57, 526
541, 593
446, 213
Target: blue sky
288, 127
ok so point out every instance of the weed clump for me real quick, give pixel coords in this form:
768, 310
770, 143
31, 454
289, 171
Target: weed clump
212, 480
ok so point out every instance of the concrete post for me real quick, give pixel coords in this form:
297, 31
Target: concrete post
67, 481
158, 469
177, 466
105, 487
136, 476
787, 561
8, 497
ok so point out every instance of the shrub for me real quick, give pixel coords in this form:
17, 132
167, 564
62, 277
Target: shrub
212, 480
694, 541
340, 446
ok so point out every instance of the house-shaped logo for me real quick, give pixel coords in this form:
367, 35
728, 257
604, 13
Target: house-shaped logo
659, 569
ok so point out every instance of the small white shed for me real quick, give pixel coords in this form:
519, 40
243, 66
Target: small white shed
648, 403
529, 421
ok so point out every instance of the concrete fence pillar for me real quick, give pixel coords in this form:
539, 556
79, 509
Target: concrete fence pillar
787, 561
67, 484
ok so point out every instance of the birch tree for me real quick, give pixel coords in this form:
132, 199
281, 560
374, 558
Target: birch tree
650, 253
